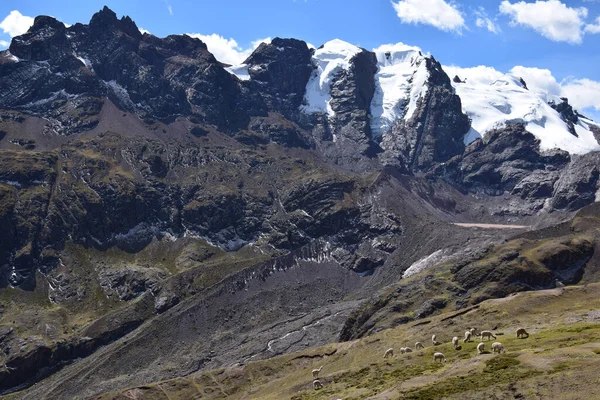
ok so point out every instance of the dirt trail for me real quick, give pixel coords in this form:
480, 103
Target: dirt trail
493, 226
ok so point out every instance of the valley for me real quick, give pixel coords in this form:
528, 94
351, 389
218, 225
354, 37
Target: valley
174, 227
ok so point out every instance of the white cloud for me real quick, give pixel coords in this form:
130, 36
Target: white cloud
142, 30
169, 7
16, 24
538, 80
552, 19
582, 93
437, 13
4, 44
483, 21
228, 51
593, 28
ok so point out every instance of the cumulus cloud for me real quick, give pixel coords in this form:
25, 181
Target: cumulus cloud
228, 51
16, 24
142, 30
484, 21
582, 93
438, 13
593, 28
4, 44
552, 19
538, 80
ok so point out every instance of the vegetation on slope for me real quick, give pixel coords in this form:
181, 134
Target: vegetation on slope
563, 346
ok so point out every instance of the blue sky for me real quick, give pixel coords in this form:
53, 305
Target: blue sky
559, 35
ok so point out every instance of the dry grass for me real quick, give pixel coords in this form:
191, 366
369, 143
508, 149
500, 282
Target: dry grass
563, 347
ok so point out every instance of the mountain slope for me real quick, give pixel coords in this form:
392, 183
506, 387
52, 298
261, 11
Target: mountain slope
158, 203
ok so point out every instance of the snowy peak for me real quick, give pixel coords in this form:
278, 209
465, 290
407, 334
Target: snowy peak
493, 100
399, 83
329, 60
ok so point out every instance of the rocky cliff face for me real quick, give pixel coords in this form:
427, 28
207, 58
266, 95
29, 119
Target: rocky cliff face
140, 176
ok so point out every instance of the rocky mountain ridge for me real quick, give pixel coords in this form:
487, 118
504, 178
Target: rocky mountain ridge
143, 182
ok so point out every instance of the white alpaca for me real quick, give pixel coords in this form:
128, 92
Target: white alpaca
419, 345
317, 384
388, 353
498, 348
521, 332
435, 342
474, 331
455, 341
480, 348
316, 372
439, 356
487, 334
468, 335
407, 350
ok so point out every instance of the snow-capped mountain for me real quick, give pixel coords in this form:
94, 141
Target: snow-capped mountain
493, 100
140, 173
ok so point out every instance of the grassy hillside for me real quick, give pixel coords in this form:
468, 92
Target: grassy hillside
559, 360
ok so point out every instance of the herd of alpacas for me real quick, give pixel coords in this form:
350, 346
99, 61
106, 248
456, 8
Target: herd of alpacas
497, 347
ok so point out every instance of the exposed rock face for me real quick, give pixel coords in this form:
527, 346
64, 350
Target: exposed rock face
566, 113
351, 96
434, 133
183, 184
279, 72
505, 163
578, 184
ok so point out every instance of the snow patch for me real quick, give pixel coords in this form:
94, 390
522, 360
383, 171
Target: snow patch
399, 83
121, 93
493, 99
241, 71
333, 57
85, 62
11, 57
424, 263
53, 96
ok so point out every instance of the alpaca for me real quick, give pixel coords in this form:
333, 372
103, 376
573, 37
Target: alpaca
497, 347
487, 334
419, 345
388, 353
317, 384
480, 348
439, 356
522, 333
316, 372
455, 341
468, 335
435, 342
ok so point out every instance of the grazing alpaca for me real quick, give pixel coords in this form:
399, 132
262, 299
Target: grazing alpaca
487, 334
419, 345
455, 341
388, 353
480, 348
474, 331
468, 335
435, 342
498, 348
317, 384
315, 372
407, 349
439, 356
521, 332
